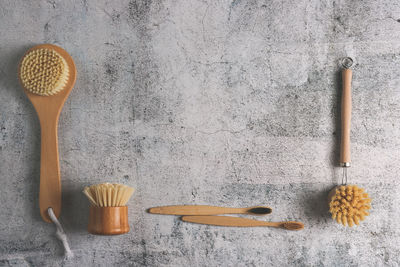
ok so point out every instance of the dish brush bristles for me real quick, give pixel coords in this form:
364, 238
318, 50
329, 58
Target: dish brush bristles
44, 72
108, 195
349, 204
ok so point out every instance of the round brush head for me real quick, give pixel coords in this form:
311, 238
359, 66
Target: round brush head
349, 204
44, 72
108, 213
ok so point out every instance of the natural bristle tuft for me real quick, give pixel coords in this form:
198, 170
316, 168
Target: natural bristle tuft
44, 72
108, 195
260, 210
349, 205
293, 225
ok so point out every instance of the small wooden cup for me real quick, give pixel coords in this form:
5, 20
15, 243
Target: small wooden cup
108, 220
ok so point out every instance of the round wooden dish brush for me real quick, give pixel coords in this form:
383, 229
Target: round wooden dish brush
348, 204
108, 213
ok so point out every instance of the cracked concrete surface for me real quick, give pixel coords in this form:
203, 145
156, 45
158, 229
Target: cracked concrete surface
232, 103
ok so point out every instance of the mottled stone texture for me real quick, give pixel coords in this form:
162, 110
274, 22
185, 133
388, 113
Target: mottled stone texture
230, 103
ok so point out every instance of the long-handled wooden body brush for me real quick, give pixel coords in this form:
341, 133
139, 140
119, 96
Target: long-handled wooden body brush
47, 73
348, 204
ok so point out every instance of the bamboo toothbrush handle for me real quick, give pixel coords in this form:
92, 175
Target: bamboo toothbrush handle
228, 221
346, 119
195, 210
50, 184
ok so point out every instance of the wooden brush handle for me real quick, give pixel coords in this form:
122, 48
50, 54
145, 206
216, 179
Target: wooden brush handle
196, 210
346, 118
227, 221
50, 184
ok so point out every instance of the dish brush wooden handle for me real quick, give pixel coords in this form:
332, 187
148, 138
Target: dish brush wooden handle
346, 119
50, 184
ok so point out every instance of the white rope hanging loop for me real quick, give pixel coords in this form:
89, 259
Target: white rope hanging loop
61, 234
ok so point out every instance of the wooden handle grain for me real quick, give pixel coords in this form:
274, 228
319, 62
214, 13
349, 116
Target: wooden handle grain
227, 221
108, 220
195, 210
50, 183
346, 118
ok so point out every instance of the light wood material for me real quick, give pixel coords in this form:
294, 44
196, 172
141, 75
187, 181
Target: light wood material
206, 210
346, 117
48, 109
240, 222
108, 220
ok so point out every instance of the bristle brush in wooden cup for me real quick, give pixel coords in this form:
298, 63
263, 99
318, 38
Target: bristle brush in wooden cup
348, 204
47, 73
108, 210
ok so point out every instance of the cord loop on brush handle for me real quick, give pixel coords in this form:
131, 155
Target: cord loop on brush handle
60, 233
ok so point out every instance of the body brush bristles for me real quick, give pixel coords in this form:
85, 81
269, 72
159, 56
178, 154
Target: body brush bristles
44, 72
108, 195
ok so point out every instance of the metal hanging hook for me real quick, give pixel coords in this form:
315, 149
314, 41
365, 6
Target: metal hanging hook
344, 177
347, 62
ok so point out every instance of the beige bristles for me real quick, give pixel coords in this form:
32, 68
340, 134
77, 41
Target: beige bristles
349, 205
293, 225
43, 72
108, 195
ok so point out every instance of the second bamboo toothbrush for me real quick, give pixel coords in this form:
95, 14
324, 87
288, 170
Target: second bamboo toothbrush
241, 222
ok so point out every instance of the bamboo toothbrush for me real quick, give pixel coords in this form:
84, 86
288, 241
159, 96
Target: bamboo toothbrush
348, 204
241, 222
208, 210
47, 73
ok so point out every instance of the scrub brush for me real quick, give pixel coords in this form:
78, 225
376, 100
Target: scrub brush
47, 73
44, 72
108, 213
348, 204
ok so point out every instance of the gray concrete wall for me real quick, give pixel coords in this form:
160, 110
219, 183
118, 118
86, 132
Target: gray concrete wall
230, 103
